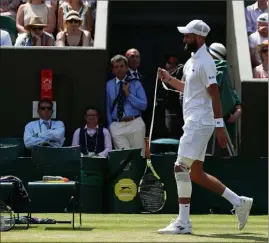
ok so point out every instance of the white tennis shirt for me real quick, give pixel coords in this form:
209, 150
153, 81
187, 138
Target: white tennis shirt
199, 73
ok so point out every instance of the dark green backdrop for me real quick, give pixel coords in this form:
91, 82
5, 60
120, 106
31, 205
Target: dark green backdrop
78, 81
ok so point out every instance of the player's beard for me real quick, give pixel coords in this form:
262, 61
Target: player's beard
192, 47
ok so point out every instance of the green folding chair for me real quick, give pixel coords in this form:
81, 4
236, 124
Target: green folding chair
8, 156
8, 152
164, 146
9, 24
14, 141
55, 197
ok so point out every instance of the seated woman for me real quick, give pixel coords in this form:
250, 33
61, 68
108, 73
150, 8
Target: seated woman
84, 10
9, 8
35, 8
73, 35
35, 34
93, 139
261, 71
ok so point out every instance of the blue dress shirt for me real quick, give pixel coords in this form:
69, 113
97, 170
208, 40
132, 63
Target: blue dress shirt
135, 102
37, 132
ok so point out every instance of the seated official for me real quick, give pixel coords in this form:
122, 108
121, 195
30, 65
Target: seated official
92, 138
44, 132
126, 99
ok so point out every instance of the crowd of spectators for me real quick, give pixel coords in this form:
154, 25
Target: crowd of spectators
257, 28
50, 23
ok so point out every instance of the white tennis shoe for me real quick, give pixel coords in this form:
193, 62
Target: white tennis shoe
242, 211
176, 228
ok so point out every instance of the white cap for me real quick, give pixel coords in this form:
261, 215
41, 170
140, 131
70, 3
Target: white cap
197, 27
218, 50
263, 18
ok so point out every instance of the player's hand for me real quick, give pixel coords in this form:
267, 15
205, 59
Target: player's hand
125, 88
222, 137
163, 75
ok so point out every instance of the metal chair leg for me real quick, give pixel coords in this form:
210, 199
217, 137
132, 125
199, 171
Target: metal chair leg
73, 211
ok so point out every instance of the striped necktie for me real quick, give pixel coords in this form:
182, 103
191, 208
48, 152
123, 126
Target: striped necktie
46, 123
135, 74
121, 99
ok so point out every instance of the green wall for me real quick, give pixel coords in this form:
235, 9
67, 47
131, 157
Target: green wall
78, 81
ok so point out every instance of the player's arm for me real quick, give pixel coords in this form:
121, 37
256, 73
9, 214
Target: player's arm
167, 78
213, 91
207, 74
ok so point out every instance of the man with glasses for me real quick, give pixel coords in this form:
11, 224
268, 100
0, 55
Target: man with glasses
44, 132
35, 34
93, 138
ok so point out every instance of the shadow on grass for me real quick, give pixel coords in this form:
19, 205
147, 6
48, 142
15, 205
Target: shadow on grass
237, 236
69, 228
22, 227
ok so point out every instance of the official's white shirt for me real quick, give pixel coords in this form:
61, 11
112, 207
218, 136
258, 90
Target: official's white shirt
199, 73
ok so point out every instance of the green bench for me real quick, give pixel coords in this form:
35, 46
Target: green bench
55, 197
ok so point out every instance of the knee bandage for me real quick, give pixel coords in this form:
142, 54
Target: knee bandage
183, 180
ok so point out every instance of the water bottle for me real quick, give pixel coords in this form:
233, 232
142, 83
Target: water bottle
55, 178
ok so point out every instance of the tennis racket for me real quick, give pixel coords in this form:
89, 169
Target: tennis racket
7, 217
151, 190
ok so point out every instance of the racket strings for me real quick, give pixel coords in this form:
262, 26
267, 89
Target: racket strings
152, 193
7, 217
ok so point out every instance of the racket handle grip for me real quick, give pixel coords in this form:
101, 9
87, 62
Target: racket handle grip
147, 148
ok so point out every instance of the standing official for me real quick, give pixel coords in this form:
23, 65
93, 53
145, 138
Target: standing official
126, 99
202, 115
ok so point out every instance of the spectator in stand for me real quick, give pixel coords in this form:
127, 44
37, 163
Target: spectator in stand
253, 12
93, 138
230, 101
44, 132
126, 99
134, 59
35, 34
257, 38
84, 11
171, 64
54, 4
172, 100
9, 7
261, 71
73, 35
35, 8
5, 39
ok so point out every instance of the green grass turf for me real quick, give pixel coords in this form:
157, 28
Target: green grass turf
140, 228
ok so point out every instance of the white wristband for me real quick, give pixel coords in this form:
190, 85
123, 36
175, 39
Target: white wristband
219, 122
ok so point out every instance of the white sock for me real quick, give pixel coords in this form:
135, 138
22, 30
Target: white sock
184, 213
232, 197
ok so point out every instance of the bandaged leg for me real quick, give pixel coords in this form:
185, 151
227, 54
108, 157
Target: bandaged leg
184, 187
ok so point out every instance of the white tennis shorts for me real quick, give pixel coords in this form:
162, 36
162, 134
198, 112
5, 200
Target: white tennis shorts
194, 141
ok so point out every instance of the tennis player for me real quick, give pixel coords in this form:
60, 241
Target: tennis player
202, 114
